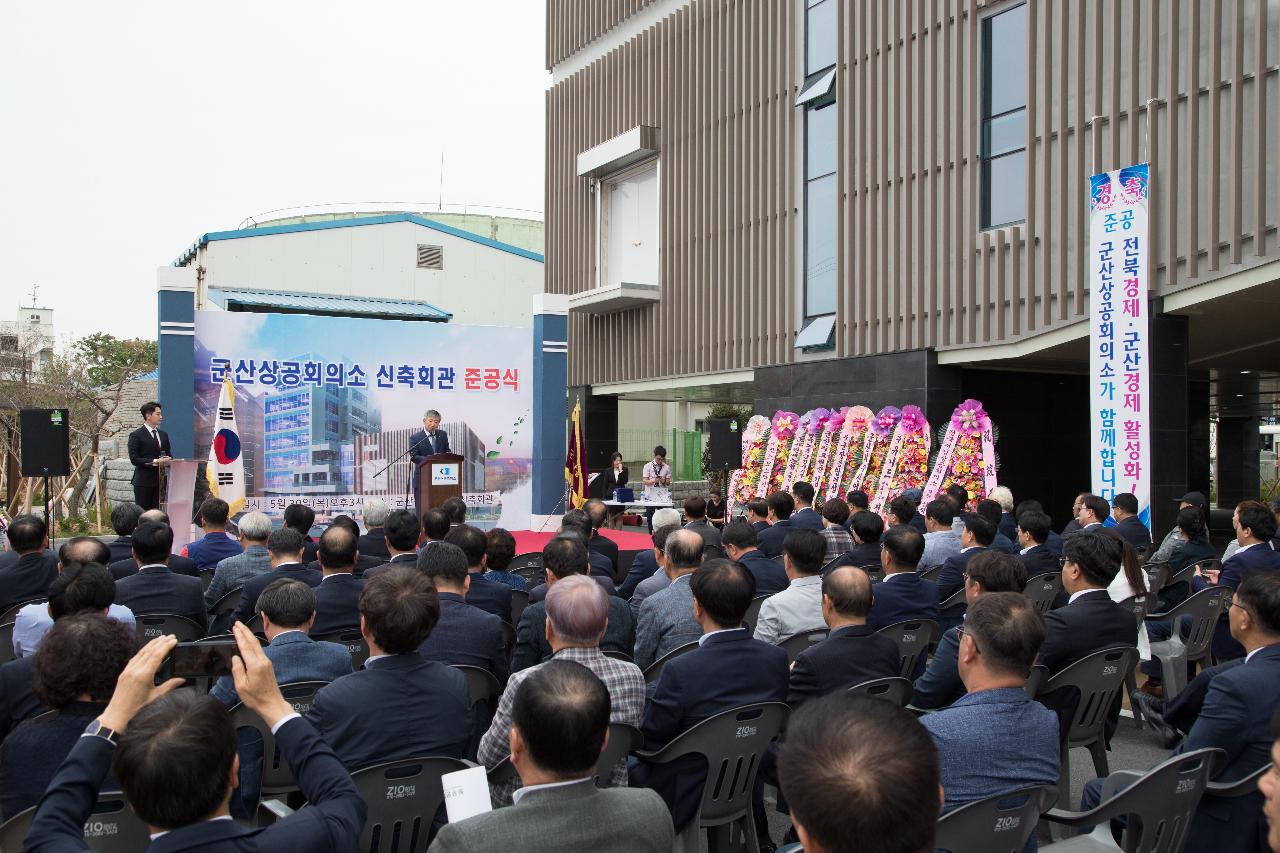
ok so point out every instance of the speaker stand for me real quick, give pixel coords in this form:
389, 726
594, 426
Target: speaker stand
48, 523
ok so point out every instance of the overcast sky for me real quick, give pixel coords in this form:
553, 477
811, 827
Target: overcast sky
129, 129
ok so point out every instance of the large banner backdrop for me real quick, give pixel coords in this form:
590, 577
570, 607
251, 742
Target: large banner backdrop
324, 404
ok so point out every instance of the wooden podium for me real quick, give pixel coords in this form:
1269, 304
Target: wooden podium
439, 478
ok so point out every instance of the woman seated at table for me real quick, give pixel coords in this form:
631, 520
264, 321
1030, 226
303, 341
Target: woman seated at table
615, 477
715, 509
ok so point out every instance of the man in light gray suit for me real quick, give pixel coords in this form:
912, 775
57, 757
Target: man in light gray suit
560, 722
233, 571
666, 617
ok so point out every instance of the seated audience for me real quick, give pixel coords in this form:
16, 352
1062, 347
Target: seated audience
1092, 513
34, 620
557, 724
36, 567
373, 542
599, 543
576, 525
489, 596
658, 580
1255, 527
974, 539
1053, 541
455, 511
1194, 548
902, 510
798, 607
1073, 525
903, 594
564, 557
74, 674
401, 531
302, 518
124, 520
464, 634
399, 705
1037, 558
338, 594
781, 505
499, 551
941, 541
156, 589
960, 502
177, 564
1008, 524
215, 545
362, 562
666, 618
645, 564
868, 529
285, 547
990, 510
695, 513
739, 539
758, 514
805, 516
727, 670
857, 500
995, 739
232, 572
835, 513
856, 768
1131, 580
1124, 509
175, 758
1269, 786
577, 613
435, 526
990, 571
1174, 539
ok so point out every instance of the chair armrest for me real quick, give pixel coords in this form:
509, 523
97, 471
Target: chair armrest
270, 811
503, 771
1111, 785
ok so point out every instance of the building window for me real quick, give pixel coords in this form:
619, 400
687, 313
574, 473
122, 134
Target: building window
629, 227
817, 98
1004, 118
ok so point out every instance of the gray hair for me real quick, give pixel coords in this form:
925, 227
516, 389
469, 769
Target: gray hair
579, 609
430, 413
255, 526
1004, 497
665, 517
375, 512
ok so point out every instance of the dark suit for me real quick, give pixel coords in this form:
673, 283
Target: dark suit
310, 549
466, 635
28, 578
759, 527
1054, 544
710, 535
531, 634
918, 525
610, 481
729, 670
850, 655
121, 548
951, 580
374, 544
18, 700
1005, 544
421, 446
1258, 558
905, 596
332, 821
806, 518
770, 576
865, 554
155, 589
363, 564
642, 567
401, 706
1008, 526
1187, 554
143, 452
770, 541
1040, 561
492, 596
254, 586
336, 603
406, 560
941, 685
1134, 532
177, 564
539, 592
605, 547
32, 754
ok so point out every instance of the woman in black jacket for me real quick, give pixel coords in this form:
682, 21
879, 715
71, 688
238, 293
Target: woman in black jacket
614, 477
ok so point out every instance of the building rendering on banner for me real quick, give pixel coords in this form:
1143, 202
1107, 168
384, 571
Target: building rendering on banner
798, 204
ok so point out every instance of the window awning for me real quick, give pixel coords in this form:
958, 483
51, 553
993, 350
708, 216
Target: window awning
279, 302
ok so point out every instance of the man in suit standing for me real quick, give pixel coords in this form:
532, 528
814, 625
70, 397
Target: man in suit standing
215, 545
149, 452
727, 670
902, 594
995, 739
666, 618
805, 516
1124, 509
489, 596
941, 541
373, 542
284, 546
401, 531
175, 757
156, 589
798, 607
941, 684
740, 543
465, 634
338, 595
781, 505
975, 538
1033, 531
427, 441
36, 566
235, 571
557, 724
124, 520
758, 514
695, 513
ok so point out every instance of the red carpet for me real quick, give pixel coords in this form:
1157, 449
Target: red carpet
529, 540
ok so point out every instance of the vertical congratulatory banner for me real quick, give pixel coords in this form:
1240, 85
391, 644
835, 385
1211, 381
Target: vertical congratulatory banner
1119, 400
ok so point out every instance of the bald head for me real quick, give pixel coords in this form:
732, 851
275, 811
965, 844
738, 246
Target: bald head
84, 549
153, 516
846, 596
684, 550
578, 609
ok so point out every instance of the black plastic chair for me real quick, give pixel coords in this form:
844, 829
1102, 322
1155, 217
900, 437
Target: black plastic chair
152, 625
6, 643
529, 567
509, 639
753, 612
1042, 590
1140, 605
206, 579
797, 643
277, 775
732, 743
913, 636
519, 601
931, 573
1240, 787
11, 613
1099, 677
112, 827
1159, 805
403, 798
483, 691
623, 740
653, 670
352, 639
874, 571
955, 599
1201, 611
1144, 552
896, 690
999, 824
224, 607
616, 655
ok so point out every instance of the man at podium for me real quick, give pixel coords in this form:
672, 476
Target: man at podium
427, 441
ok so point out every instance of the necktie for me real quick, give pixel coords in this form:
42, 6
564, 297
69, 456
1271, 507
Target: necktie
155, 437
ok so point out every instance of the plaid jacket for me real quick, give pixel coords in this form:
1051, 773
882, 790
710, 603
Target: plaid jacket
624, 682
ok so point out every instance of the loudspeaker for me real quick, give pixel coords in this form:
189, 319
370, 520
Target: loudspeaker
46, 448
725, 442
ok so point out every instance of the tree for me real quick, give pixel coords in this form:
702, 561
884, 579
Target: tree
111, 360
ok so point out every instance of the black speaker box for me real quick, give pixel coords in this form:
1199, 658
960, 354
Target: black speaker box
725, 442
46, 444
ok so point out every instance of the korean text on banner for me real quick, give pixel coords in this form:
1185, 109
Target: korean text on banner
1119, 347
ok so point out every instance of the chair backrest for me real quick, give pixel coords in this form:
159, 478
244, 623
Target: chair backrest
508, 638
1144, 552
955, 599
352, 639
11, 613
931, 573
913, 637
112, 827
1140, 604
529, 567
653, 670
623, 740
206, 579
999, 824
896, 690
227, 603
255, 624
519, 601
616, 655
152, 625
1099, 677
277, 775
753, 612
875, 571
1185, 575
1042, 590
6, 643
1203, 608
402, 798
732, 743
1246, 785
482, 685
797, 643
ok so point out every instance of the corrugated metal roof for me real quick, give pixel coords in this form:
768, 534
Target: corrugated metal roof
341, 305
